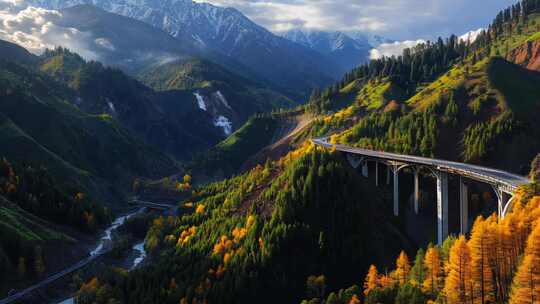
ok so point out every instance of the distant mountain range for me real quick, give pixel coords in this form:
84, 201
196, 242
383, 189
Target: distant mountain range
348, 50
207, 28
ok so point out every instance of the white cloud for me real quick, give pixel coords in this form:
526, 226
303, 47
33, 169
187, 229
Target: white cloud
393, 49
37, 29
398, 19
105, 43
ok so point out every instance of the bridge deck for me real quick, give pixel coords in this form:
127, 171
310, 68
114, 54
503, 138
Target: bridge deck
484, 174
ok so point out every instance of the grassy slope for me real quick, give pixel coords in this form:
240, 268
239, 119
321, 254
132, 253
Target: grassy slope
229, 155
24, 226
40, 127
200, 74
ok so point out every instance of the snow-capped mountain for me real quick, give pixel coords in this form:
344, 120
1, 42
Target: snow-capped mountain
348, 49
228, 31
471, 36
340, 47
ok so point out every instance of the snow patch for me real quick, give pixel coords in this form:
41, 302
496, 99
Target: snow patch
223, 100
112, 108
225, 123
200, 101
105, 43
471, 35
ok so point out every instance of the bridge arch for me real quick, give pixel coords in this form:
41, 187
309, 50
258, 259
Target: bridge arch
502, 182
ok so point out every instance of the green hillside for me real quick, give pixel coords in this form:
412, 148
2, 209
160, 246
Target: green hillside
40, 126
191, 74
287, 220
226, 158
308, 224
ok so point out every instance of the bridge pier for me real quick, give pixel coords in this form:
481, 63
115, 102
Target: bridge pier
442, 207
376, 174
463, 206
396, 191
365, 171
416, 190
500, 200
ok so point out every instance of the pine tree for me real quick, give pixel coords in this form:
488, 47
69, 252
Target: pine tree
481, 244
526, 288
458, 282
39, 264
21, 267
372, 280
403, 268
418, 271
432, 261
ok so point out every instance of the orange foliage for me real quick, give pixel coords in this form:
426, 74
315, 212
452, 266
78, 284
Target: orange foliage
200, 209
481, 245
403, 268
354, 300
372, 280
458, 285
527, 280
224, 244
432, 261
186, 235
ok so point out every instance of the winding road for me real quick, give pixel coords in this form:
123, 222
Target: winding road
99, 251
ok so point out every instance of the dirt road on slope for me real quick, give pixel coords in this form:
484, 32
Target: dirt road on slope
281, 140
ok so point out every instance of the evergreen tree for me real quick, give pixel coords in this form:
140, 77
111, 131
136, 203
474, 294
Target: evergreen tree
39, 264
418, 271
21, 267
535, 169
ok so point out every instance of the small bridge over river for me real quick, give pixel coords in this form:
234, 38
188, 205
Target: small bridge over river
504, 184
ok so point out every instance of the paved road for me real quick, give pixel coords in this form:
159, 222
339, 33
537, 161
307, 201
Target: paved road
151, 205
52, 278
492, 176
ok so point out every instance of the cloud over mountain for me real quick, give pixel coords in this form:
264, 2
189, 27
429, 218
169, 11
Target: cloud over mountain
398, 19
37, 29
393, 49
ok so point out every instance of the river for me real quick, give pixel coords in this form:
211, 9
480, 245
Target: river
107, 237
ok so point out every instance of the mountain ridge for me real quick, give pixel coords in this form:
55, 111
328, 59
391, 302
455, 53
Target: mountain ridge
229, 32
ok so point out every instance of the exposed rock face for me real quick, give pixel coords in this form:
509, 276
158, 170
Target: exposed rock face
527, 55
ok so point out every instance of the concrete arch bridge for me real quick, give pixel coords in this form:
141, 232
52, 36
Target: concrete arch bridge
503, 183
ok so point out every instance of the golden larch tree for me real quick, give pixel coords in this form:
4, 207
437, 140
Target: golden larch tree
372, 280
354, 300
482, 246
526, 288
403, 267
434, 273
458, 281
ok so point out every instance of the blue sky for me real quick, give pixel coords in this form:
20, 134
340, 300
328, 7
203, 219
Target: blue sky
395, 19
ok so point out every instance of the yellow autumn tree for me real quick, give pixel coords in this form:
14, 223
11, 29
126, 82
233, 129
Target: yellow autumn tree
458, 281
372, 280
501, 256
403, 267
526, 288
481, 244
354, 300
434, 273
